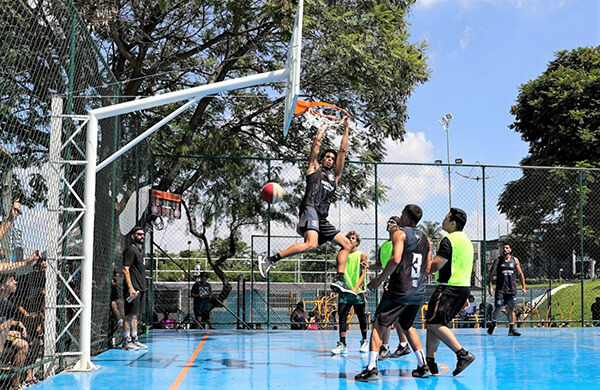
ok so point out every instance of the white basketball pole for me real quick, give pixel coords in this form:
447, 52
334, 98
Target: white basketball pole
196, 93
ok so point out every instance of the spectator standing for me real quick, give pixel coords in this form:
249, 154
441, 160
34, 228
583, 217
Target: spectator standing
134, 288
201, 292
596, 312
15, 344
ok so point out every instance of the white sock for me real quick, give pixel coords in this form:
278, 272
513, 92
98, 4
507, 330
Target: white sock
126, 335
403, 344
134, 334
372, 360
386, 346
420, 357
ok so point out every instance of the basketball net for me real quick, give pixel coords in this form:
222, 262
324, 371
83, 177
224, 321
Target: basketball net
320, 114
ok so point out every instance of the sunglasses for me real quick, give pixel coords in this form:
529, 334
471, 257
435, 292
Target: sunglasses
140, 234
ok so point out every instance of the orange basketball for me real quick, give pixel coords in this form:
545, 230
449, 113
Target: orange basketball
272, 193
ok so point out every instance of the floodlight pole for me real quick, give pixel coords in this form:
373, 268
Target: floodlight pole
445, 123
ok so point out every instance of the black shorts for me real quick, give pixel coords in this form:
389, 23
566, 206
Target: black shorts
310, 220
445, 303
501, 299
135, 307
205, 314
389, 311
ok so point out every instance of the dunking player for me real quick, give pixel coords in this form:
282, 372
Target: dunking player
385, 253
506, 288
405, 293
321, 182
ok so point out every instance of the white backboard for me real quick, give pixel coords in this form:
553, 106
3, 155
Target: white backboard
292, 88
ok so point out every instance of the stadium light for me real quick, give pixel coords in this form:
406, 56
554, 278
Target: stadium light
445, 123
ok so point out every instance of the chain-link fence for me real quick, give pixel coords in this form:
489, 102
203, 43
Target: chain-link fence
51, 74
547, 215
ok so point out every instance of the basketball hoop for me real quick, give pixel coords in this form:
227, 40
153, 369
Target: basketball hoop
320, 114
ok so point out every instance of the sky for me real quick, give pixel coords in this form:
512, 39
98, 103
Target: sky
480, 52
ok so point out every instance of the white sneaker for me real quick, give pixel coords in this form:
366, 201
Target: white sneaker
264, 266
137, 343
340, 349
129, 345
364, 346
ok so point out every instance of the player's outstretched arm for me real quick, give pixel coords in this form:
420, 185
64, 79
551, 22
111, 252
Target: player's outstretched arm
313, 158
341, 157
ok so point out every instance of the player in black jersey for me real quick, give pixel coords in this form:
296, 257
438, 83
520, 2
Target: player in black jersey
321, 182
405, 294
505, 267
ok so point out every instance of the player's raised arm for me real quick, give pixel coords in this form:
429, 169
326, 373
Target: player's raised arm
341, 157
313, 158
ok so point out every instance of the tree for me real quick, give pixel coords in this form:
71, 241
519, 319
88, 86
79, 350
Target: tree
356, 54
433, 230
558, 113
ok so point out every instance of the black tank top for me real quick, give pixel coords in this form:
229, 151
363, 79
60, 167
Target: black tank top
407, 283
320, 189
505, 276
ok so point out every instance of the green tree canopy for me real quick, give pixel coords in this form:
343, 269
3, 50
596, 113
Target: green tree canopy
558, 113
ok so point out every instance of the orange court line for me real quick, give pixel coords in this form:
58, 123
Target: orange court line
187, 366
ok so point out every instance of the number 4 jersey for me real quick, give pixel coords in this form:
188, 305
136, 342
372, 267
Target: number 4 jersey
407, 283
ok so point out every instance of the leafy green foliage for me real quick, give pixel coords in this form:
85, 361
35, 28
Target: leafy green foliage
558, 113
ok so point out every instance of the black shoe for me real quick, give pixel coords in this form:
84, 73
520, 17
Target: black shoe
384, 353
422, 372
491, 328
401, 351
340, 287
368, 375
513, 332
463, 361
433, 367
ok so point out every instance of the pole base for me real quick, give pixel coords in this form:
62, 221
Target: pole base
85, 365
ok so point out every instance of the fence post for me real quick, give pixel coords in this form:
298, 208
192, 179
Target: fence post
484, 249
581, 240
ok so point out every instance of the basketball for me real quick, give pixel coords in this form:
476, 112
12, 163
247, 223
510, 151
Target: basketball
272, 193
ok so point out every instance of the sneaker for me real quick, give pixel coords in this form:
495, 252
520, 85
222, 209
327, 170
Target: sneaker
364, 346
422, 372
129, 345
463, 362
401, 351
513, 332
340, 287
340, 349
264, 265
137, 343
491, 328
384, 353
433, 367
368, 375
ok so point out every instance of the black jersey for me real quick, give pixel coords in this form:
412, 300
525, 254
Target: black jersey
320, 189
407, 283
505, 276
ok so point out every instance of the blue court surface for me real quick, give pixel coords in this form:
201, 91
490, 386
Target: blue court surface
546, 358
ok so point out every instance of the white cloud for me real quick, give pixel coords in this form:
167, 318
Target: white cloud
465, 38
415, 148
